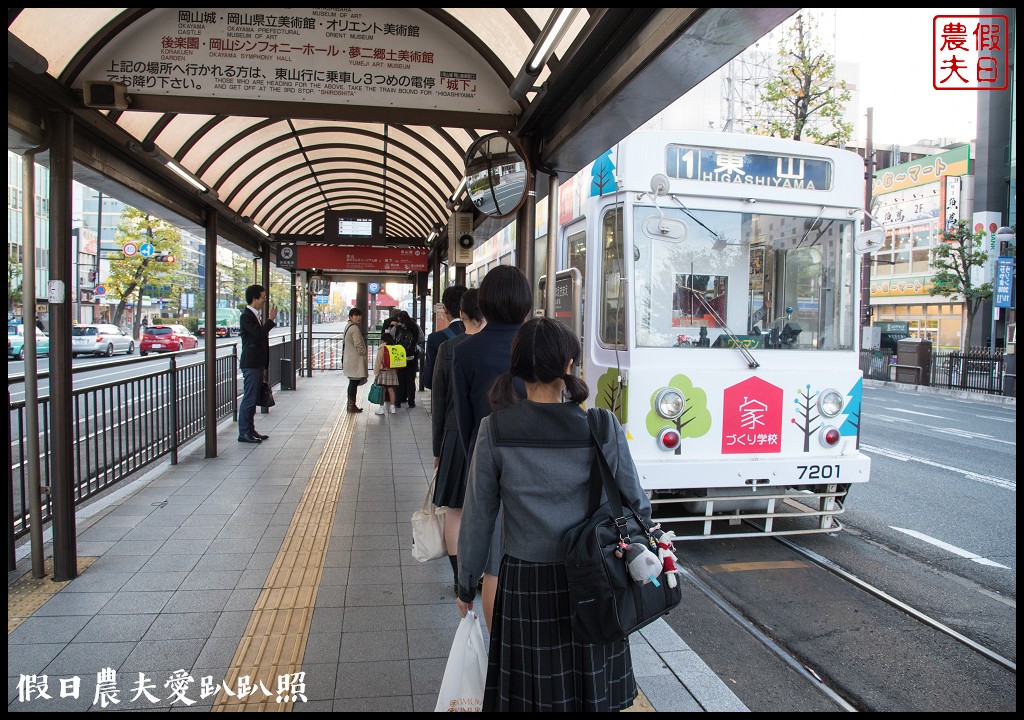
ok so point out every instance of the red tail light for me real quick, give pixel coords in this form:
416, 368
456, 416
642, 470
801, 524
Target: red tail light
99, 338
829, 436
668, 439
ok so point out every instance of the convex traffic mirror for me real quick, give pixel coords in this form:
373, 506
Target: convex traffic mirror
497, 175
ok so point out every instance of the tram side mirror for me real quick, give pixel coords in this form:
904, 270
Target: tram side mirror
497, 175
869, 240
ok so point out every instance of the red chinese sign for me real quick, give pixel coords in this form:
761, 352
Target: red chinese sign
752, 418
970, 52
360, 257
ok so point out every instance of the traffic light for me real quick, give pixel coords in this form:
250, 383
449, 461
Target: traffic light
164, 257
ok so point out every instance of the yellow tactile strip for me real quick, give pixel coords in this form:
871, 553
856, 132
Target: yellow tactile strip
641, 704
27, 594
274, 641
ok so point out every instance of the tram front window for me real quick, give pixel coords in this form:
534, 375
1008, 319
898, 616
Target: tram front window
766, 281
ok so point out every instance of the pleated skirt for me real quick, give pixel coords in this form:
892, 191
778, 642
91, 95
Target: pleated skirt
452, 468
535, 664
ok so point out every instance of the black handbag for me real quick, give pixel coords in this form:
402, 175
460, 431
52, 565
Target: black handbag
266, 396
606, 603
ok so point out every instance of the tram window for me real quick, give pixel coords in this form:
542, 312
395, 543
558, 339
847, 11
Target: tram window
577, 253
612, 321
699, 301
760, 274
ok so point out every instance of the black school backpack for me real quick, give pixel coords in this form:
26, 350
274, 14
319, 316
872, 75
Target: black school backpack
407, 339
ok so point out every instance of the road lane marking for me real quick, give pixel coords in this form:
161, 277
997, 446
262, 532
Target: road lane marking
956, 432
903, 457
950, 548
914, 412
889, 418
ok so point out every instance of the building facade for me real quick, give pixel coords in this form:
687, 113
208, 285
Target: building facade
914, 201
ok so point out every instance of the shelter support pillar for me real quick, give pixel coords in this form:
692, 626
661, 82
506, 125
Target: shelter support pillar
210, 344
293, 319
62, 410
552, 264
526, 226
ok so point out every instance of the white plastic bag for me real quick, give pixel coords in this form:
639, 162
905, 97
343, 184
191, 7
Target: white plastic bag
462, 688
428, 528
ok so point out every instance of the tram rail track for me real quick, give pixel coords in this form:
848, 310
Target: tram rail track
881, 653
779, 651
849, 577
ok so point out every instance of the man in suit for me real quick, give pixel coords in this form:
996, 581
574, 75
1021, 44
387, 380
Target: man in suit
451, 298
254, 361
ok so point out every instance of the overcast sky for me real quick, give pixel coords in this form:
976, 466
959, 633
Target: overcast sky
894, 51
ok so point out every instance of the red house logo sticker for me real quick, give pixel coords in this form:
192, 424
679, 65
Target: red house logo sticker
752, 418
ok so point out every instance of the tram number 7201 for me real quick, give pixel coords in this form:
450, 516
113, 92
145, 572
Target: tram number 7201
818, 472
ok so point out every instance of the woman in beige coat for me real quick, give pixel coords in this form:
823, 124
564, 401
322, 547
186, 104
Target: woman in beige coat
353, 357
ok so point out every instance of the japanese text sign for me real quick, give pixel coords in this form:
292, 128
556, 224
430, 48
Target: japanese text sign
385, 259
752, 418
1004, 282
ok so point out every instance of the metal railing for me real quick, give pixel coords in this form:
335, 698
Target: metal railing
122, 426
977, 370
327, 350
875, 364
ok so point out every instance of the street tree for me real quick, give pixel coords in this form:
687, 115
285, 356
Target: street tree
13, 283
129, 276
241, 275
804, 100
959, 251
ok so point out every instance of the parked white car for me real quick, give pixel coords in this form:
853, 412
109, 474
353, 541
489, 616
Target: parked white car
100, 339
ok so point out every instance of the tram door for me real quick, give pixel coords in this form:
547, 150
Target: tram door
576, 257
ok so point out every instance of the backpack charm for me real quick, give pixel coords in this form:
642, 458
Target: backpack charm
644, 566
620, 549
666, 553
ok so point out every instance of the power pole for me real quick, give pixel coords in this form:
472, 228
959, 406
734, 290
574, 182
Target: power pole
865, 267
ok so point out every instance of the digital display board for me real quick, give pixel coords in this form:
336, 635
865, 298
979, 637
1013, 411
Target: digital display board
354, 227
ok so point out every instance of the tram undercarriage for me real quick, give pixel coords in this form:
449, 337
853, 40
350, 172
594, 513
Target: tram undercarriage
734, 512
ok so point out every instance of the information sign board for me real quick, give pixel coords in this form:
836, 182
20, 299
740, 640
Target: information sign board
340, 259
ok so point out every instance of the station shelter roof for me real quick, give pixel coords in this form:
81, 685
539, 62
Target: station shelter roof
284, 113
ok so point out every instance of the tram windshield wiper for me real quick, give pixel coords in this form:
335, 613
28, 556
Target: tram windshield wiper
716, 236
737, 343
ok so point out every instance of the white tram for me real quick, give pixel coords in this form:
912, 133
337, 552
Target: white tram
717, 278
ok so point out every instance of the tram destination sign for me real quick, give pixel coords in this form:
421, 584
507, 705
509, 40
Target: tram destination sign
747, 168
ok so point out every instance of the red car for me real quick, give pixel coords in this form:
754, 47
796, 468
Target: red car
167, 338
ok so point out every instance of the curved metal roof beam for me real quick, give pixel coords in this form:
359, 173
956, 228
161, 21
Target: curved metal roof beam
350, 191
412, 201
202, 132
410, 187
228, 143
251, 153
99, 40
310, 222
423, 184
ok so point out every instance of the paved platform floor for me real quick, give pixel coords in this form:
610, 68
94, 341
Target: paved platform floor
237, 573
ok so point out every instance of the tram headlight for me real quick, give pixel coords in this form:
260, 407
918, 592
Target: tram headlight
669, 403
830, 403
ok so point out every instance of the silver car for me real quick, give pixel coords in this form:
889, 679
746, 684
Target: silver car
100, 339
